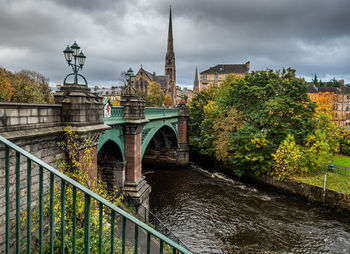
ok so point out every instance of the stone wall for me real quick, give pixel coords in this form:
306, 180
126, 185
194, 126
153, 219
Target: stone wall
312, 193
25, 116
43, 147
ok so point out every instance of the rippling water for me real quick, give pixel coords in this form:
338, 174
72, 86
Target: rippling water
215, 214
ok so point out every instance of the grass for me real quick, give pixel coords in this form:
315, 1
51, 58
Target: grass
341, 160
336, 182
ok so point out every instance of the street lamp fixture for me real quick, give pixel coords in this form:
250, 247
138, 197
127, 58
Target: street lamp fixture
129, 90
79, 61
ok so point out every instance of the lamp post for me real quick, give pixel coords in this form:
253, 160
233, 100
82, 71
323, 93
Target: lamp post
79, 61
129, 90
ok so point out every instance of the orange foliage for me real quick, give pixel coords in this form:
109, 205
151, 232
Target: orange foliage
327, 102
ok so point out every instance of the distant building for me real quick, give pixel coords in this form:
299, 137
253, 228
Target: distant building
339, 99
143, 78
215, 75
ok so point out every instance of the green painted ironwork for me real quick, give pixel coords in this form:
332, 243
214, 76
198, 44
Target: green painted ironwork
69, 54
41, 208
66, 181
29, 205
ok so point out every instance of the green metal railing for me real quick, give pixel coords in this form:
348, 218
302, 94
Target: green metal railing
89, 196
153, 113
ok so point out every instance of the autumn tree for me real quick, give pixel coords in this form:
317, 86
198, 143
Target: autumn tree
155, 95
167, 101
6, 90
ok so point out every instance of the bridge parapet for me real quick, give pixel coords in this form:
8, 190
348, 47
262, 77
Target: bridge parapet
163, 112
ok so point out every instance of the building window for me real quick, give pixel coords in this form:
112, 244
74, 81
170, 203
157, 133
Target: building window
216, 77
204, 76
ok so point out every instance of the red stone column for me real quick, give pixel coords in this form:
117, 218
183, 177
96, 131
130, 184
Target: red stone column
182, 151
133, 156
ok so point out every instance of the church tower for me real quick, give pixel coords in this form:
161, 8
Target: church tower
196, 83
170, 62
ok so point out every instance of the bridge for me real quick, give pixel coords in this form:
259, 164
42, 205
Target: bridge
121, 137
135, 132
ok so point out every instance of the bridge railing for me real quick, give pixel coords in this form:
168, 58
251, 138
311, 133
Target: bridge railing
152, 113
154, 220
54, 175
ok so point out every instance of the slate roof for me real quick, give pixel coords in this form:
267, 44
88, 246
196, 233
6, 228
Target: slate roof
227, 68
163, 80
329, 89
312, 88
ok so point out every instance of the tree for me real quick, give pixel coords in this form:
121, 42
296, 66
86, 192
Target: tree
315, 81
6, 90
155, 96
24, 86
196, 112
273, 105
167, 101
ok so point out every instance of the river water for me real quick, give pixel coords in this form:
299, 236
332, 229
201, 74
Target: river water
215, 214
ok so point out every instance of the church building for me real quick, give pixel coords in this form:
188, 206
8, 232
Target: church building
168, 81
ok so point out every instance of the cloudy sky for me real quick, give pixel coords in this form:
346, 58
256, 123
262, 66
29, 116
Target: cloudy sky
311, 36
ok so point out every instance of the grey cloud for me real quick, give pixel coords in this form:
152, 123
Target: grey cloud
311, 36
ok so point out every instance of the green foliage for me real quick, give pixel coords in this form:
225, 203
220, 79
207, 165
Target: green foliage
289, 159
292, 159
24, 86
345, 143
257, 112
155, 95
76, 167
196, 120
273, 104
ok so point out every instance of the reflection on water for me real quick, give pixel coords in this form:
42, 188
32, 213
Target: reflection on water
215, 214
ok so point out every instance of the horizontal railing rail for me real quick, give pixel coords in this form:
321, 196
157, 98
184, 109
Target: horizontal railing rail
342, 170
154, 220
161, 112
89, 196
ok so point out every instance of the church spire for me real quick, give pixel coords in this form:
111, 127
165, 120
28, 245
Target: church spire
196, 83
170, 34
170, 68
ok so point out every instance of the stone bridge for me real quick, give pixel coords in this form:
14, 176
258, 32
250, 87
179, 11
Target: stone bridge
122, 136
137, 132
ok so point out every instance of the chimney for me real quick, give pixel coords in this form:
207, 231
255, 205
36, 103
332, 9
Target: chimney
247, 64
154, 76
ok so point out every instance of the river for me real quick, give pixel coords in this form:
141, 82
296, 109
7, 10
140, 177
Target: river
212, 213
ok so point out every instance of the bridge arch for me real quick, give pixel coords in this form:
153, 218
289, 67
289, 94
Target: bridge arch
110, 161
149, 133
114, 135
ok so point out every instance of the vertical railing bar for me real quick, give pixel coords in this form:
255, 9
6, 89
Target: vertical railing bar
63, 199
52, 186
136, 239
161, 247
29, 204
74, 244
123, 235
100, 228
148, 243
87, 224
41, 209
174, 250
112, 231
7, 175
18, 208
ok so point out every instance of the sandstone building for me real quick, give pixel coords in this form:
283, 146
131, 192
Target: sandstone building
215, 75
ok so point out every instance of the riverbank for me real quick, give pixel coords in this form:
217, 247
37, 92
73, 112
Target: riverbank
311, 193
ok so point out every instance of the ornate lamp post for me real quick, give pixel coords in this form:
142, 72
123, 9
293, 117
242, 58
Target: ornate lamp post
129, 90
69, 53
